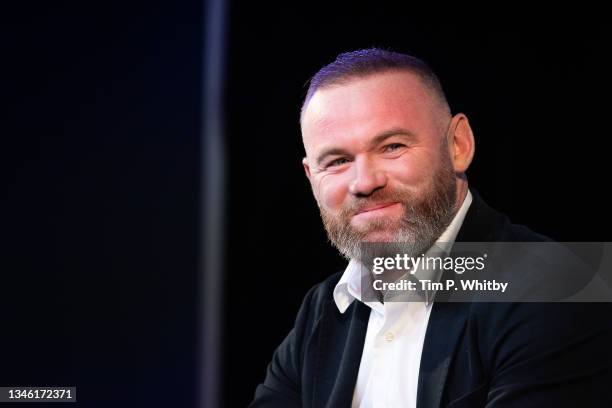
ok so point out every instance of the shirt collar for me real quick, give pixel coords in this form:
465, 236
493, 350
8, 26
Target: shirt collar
348, 287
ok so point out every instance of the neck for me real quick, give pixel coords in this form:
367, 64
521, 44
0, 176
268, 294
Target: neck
462, 190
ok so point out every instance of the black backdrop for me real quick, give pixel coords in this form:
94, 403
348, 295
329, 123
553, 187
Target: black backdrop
101, 142
101, 136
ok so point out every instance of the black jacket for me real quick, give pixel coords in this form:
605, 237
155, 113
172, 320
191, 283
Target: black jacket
474, 355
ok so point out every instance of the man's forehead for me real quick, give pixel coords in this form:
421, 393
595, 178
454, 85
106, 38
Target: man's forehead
388, 85
391, 96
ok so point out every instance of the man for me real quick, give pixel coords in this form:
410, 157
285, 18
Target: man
386, 161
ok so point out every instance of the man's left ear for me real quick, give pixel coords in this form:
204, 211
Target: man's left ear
461, 143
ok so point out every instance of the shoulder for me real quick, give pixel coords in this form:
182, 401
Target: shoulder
521, 233
320, 294
483, 223
562, 337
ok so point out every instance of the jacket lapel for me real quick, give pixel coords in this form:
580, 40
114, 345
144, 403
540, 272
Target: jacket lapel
445, 328
448, 320
341, 339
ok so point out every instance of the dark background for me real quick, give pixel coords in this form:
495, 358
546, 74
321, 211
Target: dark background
101, 206
101, 138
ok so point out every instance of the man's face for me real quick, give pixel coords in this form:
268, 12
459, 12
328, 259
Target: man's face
378, 161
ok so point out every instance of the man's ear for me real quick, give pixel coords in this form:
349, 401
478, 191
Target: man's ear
306, 167
461, 143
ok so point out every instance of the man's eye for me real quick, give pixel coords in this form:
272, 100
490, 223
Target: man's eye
337, 162
393, 146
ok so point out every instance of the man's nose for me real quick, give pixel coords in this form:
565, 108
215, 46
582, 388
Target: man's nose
367, 178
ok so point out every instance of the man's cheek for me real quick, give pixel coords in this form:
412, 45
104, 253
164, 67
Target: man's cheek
332, 194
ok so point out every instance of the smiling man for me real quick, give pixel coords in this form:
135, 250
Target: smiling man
386, 161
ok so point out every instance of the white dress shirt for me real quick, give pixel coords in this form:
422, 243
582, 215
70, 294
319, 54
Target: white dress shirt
389, 370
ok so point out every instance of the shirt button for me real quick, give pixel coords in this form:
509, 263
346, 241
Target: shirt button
389, 336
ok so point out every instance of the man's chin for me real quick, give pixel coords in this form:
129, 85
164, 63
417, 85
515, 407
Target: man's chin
380, 236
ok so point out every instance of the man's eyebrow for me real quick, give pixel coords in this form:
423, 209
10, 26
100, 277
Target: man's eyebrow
379, 138
330, 152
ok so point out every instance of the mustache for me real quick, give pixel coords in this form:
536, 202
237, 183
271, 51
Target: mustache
377, 198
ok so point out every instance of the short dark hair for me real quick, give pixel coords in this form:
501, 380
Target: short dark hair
361, 63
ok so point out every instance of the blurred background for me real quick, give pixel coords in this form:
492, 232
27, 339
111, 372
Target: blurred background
158, 233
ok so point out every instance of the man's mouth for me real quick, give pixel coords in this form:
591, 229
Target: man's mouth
374, 208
